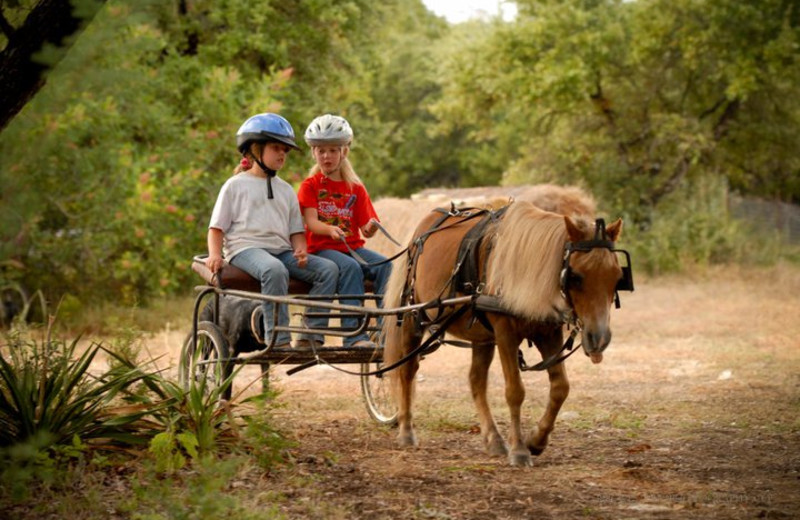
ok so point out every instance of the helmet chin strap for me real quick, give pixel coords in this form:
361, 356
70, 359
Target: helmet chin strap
270, 174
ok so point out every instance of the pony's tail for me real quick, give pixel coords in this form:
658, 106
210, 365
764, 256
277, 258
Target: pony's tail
392, 299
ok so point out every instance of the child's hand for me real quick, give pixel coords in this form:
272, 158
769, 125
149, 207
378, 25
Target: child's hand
336, 233
214, 262
370, 228
301, 255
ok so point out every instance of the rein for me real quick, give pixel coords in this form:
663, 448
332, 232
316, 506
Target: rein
358, 258
558, 357
424, 346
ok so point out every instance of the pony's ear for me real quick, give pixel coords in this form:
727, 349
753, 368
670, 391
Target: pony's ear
573, 232
614, 230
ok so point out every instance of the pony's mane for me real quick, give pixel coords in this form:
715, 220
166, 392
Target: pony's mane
525, 262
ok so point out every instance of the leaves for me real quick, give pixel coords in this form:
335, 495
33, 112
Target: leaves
110, 174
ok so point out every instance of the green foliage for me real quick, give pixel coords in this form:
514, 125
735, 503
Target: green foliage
202, 493
54, 412
633, 98
262, 440
696, 231
181, 420
110, 173
55, 415
171, 450
48, 394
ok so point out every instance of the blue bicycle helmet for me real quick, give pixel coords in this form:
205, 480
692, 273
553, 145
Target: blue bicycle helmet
264, 128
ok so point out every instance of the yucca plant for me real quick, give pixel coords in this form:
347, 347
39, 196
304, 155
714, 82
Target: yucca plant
199, 410
49, 392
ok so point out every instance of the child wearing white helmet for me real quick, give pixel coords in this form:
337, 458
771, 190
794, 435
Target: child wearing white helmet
257, 225
337, 211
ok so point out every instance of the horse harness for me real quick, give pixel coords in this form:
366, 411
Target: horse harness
468, 277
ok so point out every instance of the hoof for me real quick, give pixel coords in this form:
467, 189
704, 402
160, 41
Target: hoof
536, 443
536, 451
496, 447
407, 441
520, 460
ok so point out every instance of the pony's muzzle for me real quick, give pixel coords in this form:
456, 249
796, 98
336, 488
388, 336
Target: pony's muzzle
595, 342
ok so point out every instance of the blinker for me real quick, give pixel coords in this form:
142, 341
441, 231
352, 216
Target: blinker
625, 283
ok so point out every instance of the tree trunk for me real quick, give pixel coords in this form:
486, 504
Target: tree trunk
21, 76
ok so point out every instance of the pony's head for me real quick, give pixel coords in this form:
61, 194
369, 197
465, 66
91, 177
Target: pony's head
591, 275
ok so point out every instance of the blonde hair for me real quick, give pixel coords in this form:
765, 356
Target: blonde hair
349, 175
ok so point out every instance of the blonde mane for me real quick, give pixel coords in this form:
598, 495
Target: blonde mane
525, 264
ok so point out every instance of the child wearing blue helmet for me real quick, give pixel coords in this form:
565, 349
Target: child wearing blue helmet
257, 225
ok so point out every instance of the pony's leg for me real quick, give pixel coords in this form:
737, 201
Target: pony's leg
404, 377
482, 356
508, 341
559, 390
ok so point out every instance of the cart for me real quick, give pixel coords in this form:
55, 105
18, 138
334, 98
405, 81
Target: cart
208, 355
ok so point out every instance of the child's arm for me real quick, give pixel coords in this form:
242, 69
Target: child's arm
214, 260
300, 248
316, 226
369, 228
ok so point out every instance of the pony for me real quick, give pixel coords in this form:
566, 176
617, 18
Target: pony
541, 269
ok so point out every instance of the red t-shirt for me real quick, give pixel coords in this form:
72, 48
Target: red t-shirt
347, 207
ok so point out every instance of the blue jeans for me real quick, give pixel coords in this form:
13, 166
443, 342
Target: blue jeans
273, 271
351, 280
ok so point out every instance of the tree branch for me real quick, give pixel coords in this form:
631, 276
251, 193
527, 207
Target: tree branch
6, 27
21, 76
680, 171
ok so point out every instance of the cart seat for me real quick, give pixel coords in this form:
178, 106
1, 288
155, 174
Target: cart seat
231, 277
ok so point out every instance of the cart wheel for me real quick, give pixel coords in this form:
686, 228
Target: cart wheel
200, 364
377, 391
13, 303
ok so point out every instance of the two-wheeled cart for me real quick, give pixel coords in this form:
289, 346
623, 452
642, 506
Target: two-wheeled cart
210, 352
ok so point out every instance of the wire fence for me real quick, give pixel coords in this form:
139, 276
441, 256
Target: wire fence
768, 214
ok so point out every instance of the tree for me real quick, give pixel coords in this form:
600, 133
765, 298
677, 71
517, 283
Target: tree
637, 99
36, 45
111, 172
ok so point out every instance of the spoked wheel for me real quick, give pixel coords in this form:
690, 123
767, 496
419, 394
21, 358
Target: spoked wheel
206, 363
377, 391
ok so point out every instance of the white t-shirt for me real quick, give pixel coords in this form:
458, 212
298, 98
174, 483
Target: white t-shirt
249, 219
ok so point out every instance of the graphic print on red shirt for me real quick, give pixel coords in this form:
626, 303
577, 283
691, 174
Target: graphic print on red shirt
347, 207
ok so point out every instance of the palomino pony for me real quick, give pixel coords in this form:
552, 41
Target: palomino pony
544, 269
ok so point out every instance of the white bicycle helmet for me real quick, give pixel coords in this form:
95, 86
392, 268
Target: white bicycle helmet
329, 130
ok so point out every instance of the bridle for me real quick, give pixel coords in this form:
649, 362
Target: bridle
600, 241
568, 279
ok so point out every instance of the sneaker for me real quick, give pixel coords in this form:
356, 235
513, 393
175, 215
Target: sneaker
307, 343
364, 343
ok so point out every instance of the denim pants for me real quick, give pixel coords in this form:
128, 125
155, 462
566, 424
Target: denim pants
273, 271
351, 280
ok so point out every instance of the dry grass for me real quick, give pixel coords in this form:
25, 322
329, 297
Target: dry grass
693, 414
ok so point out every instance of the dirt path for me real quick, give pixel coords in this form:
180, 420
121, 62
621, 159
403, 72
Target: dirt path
694, 413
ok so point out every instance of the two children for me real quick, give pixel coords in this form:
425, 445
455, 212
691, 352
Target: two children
258, 226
